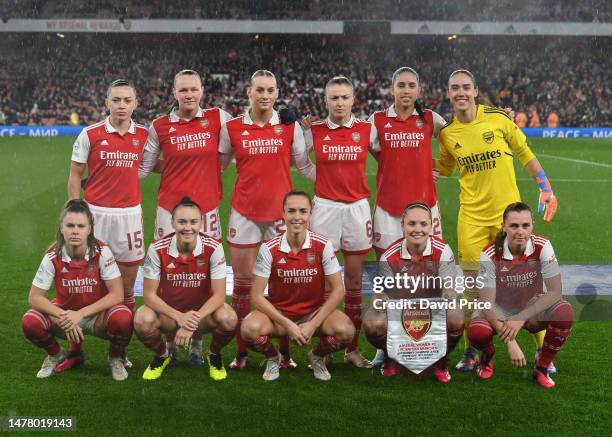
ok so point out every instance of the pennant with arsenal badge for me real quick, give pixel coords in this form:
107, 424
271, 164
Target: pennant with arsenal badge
416, 334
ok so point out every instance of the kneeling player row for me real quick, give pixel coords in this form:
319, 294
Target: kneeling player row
184, 293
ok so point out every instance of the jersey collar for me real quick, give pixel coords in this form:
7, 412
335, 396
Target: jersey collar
273, 121
174, 118
392, 114
529, 249
173, 249
406, 255
66, 258
284, 243
110, 129
332, 125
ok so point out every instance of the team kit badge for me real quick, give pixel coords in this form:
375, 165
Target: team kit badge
278, 130
204, 123
488, 136
355, 136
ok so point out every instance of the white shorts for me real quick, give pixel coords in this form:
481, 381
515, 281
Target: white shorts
347, 225
388, 227
243, 232
121, 230
211, 224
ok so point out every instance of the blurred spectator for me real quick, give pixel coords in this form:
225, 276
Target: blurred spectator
553, 120
534, 120
521, 119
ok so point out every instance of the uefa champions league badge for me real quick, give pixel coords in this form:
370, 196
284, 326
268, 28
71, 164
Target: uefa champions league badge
204, 123
355, 136
278, 130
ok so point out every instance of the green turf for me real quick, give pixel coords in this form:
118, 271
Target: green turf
33, 174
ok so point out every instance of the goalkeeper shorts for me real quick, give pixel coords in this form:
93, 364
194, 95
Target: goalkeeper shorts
471, 240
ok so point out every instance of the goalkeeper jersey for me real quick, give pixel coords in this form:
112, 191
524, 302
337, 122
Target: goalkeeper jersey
484, 150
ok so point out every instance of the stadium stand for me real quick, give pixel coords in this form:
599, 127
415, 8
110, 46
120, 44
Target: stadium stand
476, 10
70, 73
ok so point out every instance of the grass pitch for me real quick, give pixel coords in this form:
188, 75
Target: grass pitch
33, 174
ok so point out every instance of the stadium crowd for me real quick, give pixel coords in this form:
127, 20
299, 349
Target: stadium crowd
473, 10
70, 75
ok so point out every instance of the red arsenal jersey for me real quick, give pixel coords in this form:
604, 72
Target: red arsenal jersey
405, 162
296, 284
518, 281
437, 261
191, 159
184, 283
341, 153
263, 160
77, 283
112, 161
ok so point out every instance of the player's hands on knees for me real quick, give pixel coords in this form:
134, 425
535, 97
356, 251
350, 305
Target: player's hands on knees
308, 329
74, 334
183, 337
69, 319
295, 333
189, 320
510, 329
516, 355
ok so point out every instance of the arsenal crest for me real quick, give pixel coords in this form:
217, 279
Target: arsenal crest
278, 130
355, 136
200, 262
204, 123
416, 322
310, 257
420, 123
135, 142
488, 136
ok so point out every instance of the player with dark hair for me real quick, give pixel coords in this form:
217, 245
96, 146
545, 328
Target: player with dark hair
111, 151
516, 268
265, 145
417, 253
482, 141
88, 294
188, 139
404, 152
296, 266
184, 292
341, 208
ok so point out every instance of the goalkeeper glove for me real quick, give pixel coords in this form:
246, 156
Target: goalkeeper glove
286, 115
547, 203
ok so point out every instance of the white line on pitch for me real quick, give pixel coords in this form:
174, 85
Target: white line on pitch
581, 161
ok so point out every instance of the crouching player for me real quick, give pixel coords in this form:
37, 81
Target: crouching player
515, 268
418, 254
88, 294
296, 266
184, 292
